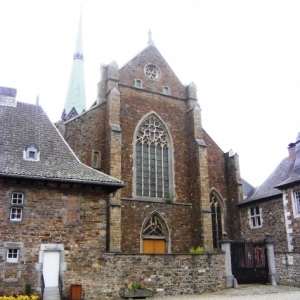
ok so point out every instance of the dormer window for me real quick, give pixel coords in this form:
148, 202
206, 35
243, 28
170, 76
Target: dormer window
138, 83
166, 90
31, 153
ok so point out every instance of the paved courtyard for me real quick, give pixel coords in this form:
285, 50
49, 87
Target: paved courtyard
247, 292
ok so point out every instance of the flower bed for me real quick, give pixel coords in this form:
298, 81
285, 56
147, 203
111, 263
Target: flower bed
19, 297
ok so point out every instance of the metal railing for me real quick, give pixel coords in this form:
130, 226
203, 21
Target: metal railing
42, 285
60, 286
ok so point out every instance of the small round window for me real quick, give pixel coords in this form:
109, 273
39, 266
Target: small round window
152, 72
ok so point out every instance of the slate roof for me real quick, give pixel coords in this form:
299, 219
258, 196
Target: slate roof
268, 188
26, 124
247, 188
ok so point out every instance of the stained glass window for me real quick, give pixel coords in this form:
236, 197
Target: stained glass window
152, 159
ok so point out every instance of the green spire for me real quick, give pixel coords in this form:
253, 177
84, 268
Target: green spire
75, 100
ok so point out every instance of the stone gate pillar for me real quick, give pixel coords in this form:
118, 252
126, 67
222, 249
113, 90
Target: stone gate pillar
271, 258
225, 245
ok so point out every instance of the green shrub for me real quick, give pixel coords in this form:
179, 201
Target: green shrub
197, 250
28, 290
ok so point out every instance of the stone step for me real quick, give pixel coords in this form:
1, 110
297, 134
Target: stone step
51, 293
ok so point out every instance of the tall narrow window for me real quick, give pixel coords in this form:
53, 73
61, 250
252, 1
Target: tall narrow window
216, 218
255, 217
96, 160
297, 202
152, 159
16, 210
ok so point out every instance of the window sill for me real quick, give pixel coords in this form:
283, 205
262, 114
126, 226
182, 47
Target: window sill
155, 200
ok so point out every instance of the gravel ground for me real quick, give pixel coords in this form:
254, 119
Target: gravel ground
247, 292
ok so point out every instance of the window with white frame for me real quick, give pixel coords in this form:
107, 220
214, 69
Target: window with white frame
255, 217
17, 198
297, 202
12, 255
31, 153
16, 214
16, 210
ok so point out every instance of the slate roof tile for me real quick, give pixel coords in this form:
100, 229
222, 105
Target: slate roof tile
26, 124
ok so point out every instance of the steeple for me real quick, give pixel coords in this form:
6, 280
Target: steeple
150, 42
75, 100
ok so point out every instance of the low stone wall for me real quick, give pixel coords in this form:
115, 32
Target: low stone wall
288, 268
167, 274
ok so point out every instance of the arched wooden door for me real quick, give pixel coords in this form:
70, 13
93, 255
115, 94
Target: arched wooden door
154, 235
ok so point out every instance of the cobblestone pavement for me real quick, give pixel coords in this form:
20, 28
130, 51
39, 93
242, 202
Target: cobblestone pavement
247, 292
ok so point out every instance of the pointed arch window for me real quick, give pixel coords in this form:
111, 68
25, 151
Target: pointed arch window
154, 235
153, 159
216, 219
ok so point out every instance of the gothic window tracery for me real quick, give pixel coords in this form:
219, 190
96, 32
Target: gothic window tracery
153, 227
152, 159
216, 218
152, 72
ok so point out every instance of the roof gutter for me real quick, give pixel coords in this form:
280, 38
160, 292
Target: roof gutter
110, 184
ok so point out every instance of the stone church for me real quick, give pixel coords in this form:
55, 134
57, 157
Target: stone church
145, 129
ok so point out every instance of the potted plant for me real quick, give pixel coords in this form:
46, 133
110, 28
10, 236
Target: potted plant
137, 290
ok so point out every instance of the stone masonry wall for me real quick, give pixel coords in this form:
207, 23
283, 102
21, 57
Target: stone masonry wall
272, 223
60, 214
169, 274
288, 268
292, 221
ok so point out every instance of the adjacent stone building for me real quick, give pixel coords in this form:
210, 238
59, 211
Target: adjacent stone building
53, 208
145, 128
274, 207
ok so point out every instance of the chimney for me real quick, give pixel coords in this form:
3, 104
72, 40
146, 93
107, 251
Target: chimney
297, 155
8, 96
292, 151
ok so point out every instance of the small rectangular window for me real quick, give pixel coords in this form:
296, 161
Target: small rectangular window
17, 198
31, 154
12, 255
255, 217
138, 83
16, 214
166, 90
96, 159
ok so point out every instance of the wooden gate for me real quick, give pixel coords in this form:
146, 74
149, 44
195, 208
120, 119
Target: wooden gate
249, 262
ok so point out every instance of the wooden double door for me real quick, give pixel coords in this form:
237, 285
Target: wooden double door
154, 246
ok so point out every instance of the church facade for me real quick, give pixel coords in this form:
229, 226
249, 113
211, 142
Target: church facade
145, 128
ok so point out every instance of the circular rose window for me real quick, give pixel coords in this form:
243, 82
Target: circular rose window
152, 72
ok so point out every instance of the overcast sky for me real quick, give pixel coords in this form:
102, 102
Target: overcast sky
243, 56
